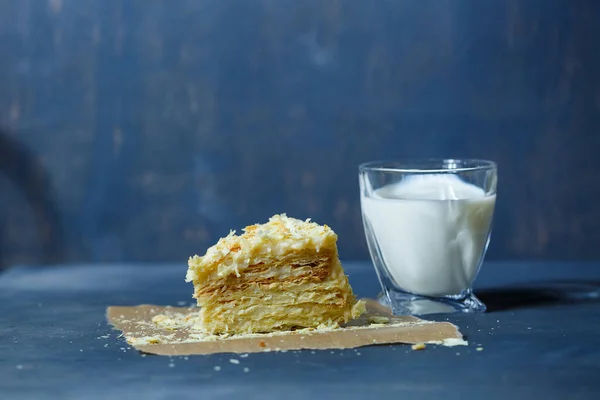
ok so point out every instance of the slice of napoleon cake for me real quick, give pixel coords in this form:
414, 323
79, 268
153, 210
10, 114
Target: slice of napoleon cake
281, 275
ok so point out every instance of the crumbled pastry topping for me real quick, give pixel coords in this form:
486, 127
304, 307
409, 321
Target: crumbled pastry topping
450, 342
378, 319
328, 326
173, 321
137, 341
359, 308
233, 253
418, 346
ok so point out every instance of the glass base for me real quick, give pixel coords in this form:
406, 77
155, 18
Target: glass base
402, 303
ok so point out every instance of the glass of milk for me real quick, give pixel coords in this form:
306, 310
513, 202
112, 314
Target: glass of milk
427, 224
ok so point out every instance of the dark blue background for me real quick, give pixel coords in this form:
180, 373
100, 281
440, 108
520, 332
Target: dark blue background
144, 130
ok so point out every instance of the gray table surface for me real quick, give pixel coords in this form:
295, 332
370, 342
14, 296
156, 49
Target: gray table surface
540, 339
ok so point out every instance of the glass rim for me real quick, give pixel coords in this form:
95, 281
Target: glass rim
411, 165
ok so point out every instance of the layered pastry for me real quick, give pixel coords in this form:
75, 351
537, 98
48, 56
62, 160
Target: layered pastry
281, 275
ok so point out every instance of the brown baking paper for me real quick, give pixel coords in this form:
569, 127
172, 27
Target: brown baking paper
173, 336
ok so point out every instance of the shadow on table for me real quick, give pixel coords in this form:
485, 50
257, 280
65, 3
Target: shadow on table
546, 293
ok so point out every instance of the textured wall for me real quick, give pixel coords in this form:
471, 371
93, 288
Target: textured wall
159, 125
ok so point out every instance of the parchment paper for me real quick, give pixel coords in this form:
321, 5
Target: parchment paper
170, 331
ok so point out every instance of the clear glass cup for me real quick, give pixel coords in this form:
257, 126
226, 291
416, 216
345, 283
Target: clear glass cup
428, 224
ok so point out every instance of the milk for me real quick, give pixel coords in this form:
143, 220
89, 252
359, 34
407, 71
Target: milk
431, 231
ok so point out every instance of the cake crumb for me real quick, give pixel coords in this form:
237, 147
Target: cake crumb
246, 369
378, 319
418, 346
234, 361
19, 366
479, 349
217, 368
262, 344
450, 342
244, 355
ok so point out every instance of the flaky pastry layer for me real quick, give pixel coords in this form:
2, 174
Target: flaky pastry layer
293, 267
281, 275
